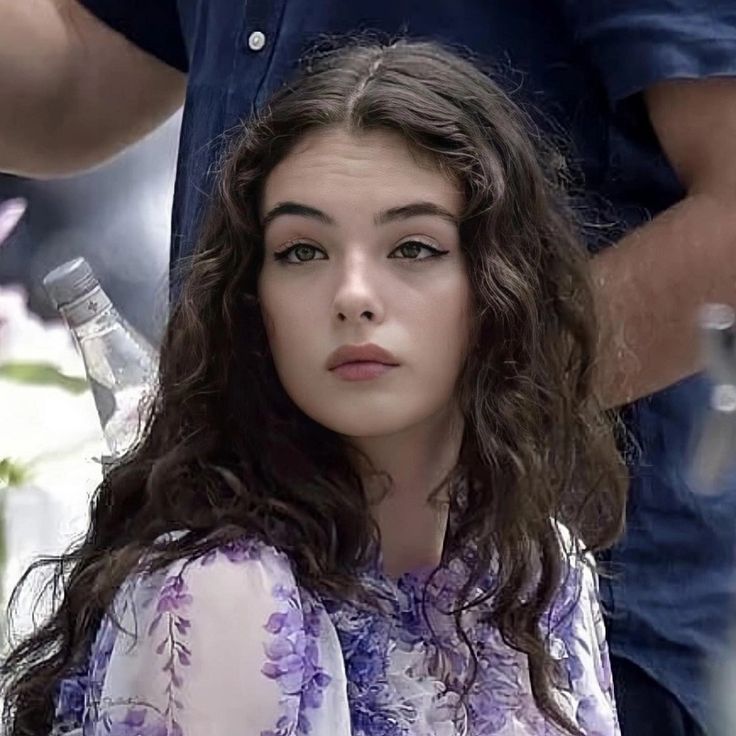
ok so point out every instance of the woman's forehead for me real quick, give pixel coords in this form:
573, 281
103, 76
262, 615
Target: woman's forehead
375, 166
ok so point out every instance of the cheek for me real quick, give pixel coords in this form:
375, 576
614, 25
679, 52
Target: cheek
268, 324
467, 318
271, 319
286, 323
272, 307
454, 319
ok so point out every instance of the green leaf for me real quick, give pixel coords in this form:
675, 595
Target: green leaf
42, 374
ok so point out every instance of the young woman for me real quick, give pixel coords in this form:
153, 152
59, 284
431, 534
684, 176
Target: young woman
369, 484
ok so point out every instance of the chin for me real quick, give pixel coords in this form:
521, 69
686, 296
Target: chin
365, 425
358, 429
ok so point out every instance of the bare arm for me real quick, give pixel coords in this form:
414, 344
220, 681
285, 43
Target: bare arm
72, 91
652, 283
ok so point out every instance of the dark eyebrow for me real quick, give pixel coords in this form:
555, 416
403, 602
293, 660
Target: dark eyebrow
294, 208
414, 209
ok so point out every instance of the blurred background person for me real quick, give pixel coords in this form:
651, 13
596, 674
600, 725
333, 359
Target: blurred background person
646, 95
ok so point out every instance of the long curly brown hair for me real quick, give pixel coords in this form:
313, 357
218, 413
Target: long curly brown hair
224, 451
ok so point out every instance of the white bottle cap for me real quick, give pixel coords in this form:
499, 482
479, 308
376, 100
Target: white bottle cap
75, 291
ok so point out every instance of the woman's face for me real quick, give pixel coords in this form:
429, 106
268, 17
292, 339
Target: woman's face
361, 246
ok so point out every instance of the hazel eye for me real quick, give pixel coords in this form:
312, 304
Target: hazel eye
412, 248
302, 252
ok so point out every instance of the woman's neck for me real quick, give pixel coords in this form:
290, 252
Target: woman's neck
418, 460
412, 536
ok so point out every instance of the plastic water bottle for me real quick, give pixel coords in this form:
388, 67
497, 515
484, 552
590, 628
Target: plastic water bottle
120, 364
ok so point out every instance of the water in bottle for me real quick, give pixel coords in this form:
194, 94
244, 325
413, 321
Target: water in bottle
120, 364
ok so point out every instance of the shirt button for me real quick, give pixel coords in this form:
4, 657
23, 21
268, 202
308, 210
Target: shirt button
256, 41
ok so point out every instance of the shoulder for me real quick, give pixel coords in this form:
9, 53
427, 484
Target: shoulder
243, 575
576, 636
574, 624
579, 579
195, 631
233, 588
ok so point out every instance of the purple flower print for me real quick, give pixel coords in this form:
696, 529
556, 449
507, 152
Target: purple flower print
173, 599
404, 671
284, 726
591, 719
489, 715
287, 622
293, 656
236, 550
135, 723
70, 699
365, 639
366, 721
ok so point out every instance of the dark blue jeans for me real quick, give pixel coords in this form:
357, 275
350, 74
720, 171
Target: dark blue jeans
645, 708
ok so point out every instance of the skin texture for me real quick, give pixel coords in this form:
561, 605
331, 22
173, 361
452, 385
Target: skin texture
75, 92
361, 282
650, 286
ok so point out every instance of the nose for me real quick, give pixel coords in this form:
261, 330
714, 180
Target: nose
357, 296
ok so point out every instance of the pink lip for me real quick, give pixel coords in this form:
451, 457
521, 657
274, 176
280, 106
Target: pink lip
366, 353
361, 370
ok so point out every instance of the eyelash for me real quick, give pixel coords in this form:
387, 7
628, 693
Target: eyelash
283, 254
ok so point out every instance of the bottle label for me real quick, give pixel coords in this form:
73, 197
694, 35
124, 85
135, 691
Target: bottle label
86, 308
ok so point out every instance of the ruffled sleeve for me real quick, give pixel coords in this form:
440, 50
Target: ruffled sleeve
217, 645
578, 639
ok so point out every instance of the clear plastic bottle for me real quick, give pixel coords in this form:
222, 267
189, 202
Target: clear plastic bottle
120, 363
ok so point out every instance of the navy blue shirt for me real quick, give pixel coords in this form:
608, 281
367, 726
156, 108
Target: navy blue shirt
580, 66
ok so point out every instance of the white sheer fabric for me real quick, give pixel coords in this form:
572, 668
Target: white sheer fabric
229, 644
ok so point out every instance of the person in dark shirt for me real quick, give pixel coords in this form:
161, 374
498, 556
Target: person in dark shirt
645, 92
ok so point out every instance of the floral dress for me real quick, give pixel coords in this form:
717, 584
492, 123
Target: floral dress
228, 644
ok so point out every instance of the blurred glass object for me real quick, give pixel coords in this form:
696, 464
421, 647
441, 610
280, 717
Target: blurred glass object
712, 459
713, 452
119, 363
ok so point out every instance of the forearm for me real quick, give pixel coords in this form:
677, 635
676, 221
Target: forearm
32, 75
649, 288
73, 92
